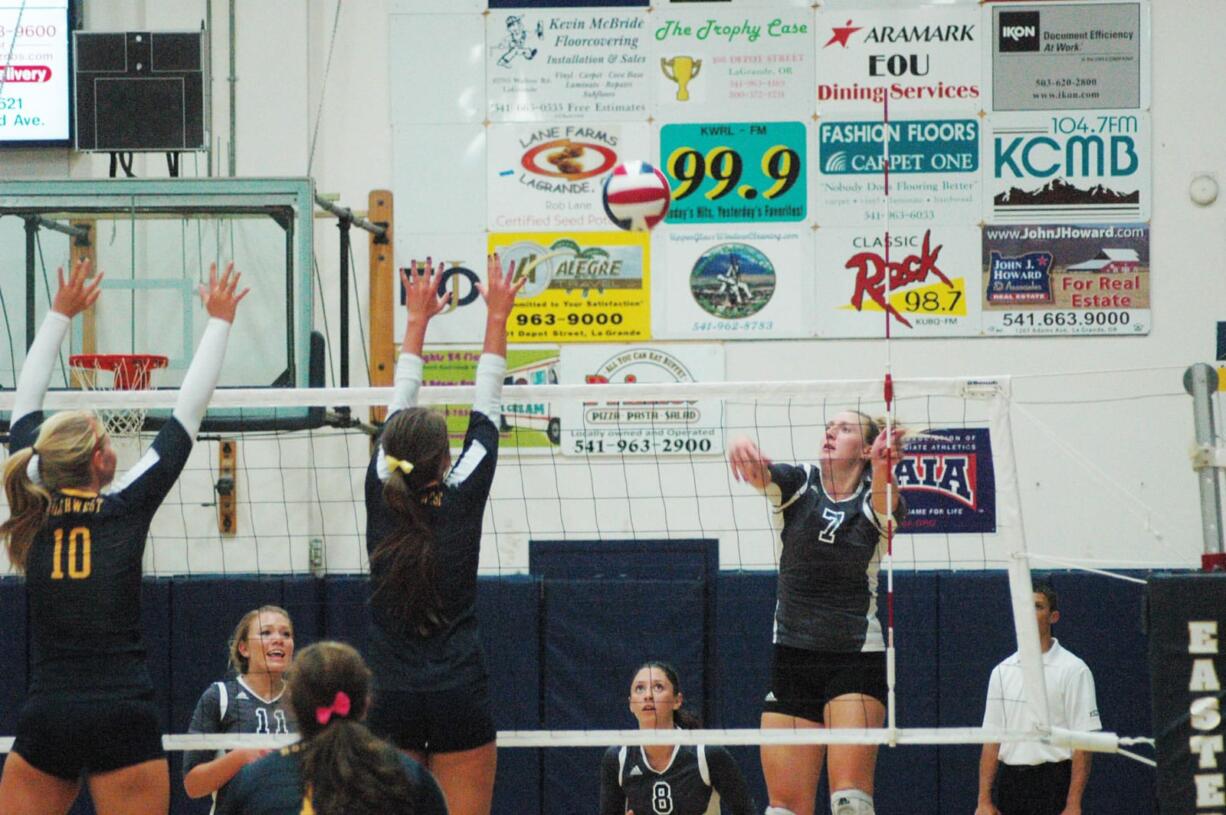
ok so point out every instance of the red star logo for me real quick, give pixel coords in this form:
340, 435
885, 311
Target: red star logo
841, 33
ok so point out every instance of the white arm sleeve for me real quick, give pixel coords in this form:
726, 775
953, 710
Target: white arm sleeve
39, 365
201, 377
490, 372
407, 382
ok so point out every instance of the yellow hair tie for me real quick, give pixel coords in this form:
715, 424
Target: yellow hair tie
394, 463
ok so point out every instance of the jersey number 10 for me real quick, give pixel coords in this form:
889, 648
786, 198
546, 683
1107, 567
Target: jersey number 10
78, 554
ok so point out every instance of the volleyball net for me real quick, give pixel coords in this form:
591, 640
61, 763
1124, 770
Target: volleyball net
633, 479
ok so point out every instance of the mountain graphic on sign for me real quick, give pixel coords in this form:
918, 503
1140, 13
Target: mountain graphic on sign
1059, 191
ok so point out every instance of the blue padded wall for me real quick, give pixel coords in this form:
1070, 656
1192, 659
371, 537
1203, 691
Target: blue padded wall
561, 651
596, 634
509, 611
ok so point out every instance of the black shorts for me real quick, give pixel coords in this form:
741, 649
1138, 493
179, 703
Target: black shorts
802, 682
66, 737
444, 721
1039, 789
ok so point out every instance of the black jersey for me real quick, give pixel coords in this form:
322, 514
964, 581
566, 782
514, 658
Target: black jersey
684, 787
273, 786
832, 551
83, 574
451, 656
232, 707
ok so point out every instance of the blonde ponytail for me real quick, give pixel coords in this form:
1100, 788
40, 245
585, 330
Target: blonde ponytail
28, 506
65, 448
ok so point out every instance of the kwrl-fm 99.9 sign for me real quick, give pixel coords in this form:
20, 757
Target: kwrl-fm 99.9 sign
739, 171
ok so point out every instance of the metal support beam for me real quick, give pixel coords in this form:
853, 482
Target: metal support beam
346, 214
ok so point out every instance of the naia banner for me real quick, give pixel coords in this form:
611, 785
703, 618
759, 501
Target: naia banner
1186, 614
947, 479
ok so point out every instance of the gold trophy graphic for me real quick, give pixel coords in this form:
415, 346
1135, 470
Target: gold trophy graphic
681, 70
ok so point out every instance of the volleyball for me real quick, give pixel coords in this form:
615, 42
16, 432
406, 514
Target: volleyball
636, 195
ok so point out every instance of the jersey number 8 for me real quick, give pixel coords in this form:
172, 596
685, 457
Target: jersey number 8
78, 550
662, 798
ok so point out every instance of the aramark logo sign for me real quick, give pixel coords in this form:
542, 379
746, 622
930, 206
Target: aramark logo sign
920, 146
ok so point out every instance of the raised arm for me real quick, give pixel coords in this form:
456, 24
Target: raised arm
221, 298
422, 301
749, 465
499, 292
73, 296
886, 453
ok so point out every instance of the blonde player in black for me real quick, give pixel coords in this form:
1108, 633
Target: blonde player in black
828, 667
252, 701
89, 709
338, 768
668, 778
423, 534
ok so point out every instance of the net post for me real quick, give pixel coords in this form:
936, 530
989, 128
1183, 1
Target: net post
382, 303
1021, 590
1200, 381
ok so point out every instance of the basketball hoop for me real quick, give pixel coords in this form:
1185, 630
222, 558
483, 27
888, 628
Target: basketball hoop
117, 372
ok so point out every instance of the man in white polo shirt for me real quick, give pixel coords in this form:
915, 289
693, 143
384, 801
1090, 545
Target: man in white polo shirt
1031, 778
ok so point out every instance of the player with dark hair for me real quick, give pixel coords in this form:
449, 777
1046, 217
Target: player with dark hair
339, 767
423, 534
828, 667
673, 778
90, 706
252, 701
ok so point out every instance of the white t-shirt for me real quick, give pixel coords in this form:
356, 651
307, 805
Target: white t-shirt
1070, 702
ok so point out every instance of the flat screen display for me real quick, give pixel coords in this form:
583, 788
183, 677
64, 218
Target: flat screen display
35, 73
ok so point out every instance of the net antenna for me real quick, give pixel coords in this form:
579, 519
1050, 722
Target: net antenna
117, 372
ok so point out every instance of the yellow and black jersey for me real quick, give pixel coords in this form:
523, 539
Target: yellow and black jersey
83, 574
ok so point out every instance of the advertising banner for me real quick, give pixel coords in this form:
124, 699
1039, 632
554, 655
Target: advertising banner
548, 176
1069, 167
463, 260
949, 482
753, 63
927, 283
582, 287
523, 425
1080, 56
934, 172
1066, 279
734, 283
730, 172
559, 65
34, 71
642, 428
918, 58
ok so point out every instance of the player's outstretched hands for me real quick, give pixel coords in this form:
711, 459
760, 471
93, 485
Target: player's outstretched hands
219, 297
421, 285
78, 292
748, 463
499, 290
887, 448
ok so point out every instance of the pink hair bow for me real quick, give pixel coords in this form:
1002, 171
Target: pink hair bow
340, 707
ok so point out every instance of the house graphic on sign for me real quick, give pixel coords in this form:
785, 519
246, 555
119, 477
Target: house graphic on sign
1110, 261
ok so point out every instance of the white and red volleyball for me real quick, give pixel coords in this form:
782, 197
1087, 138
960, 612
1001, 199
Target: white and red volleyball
636, 195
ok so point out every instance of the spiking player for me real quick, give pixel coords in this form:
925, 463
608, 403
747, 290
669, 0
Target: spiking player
677, 779
828, 667
90, 705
